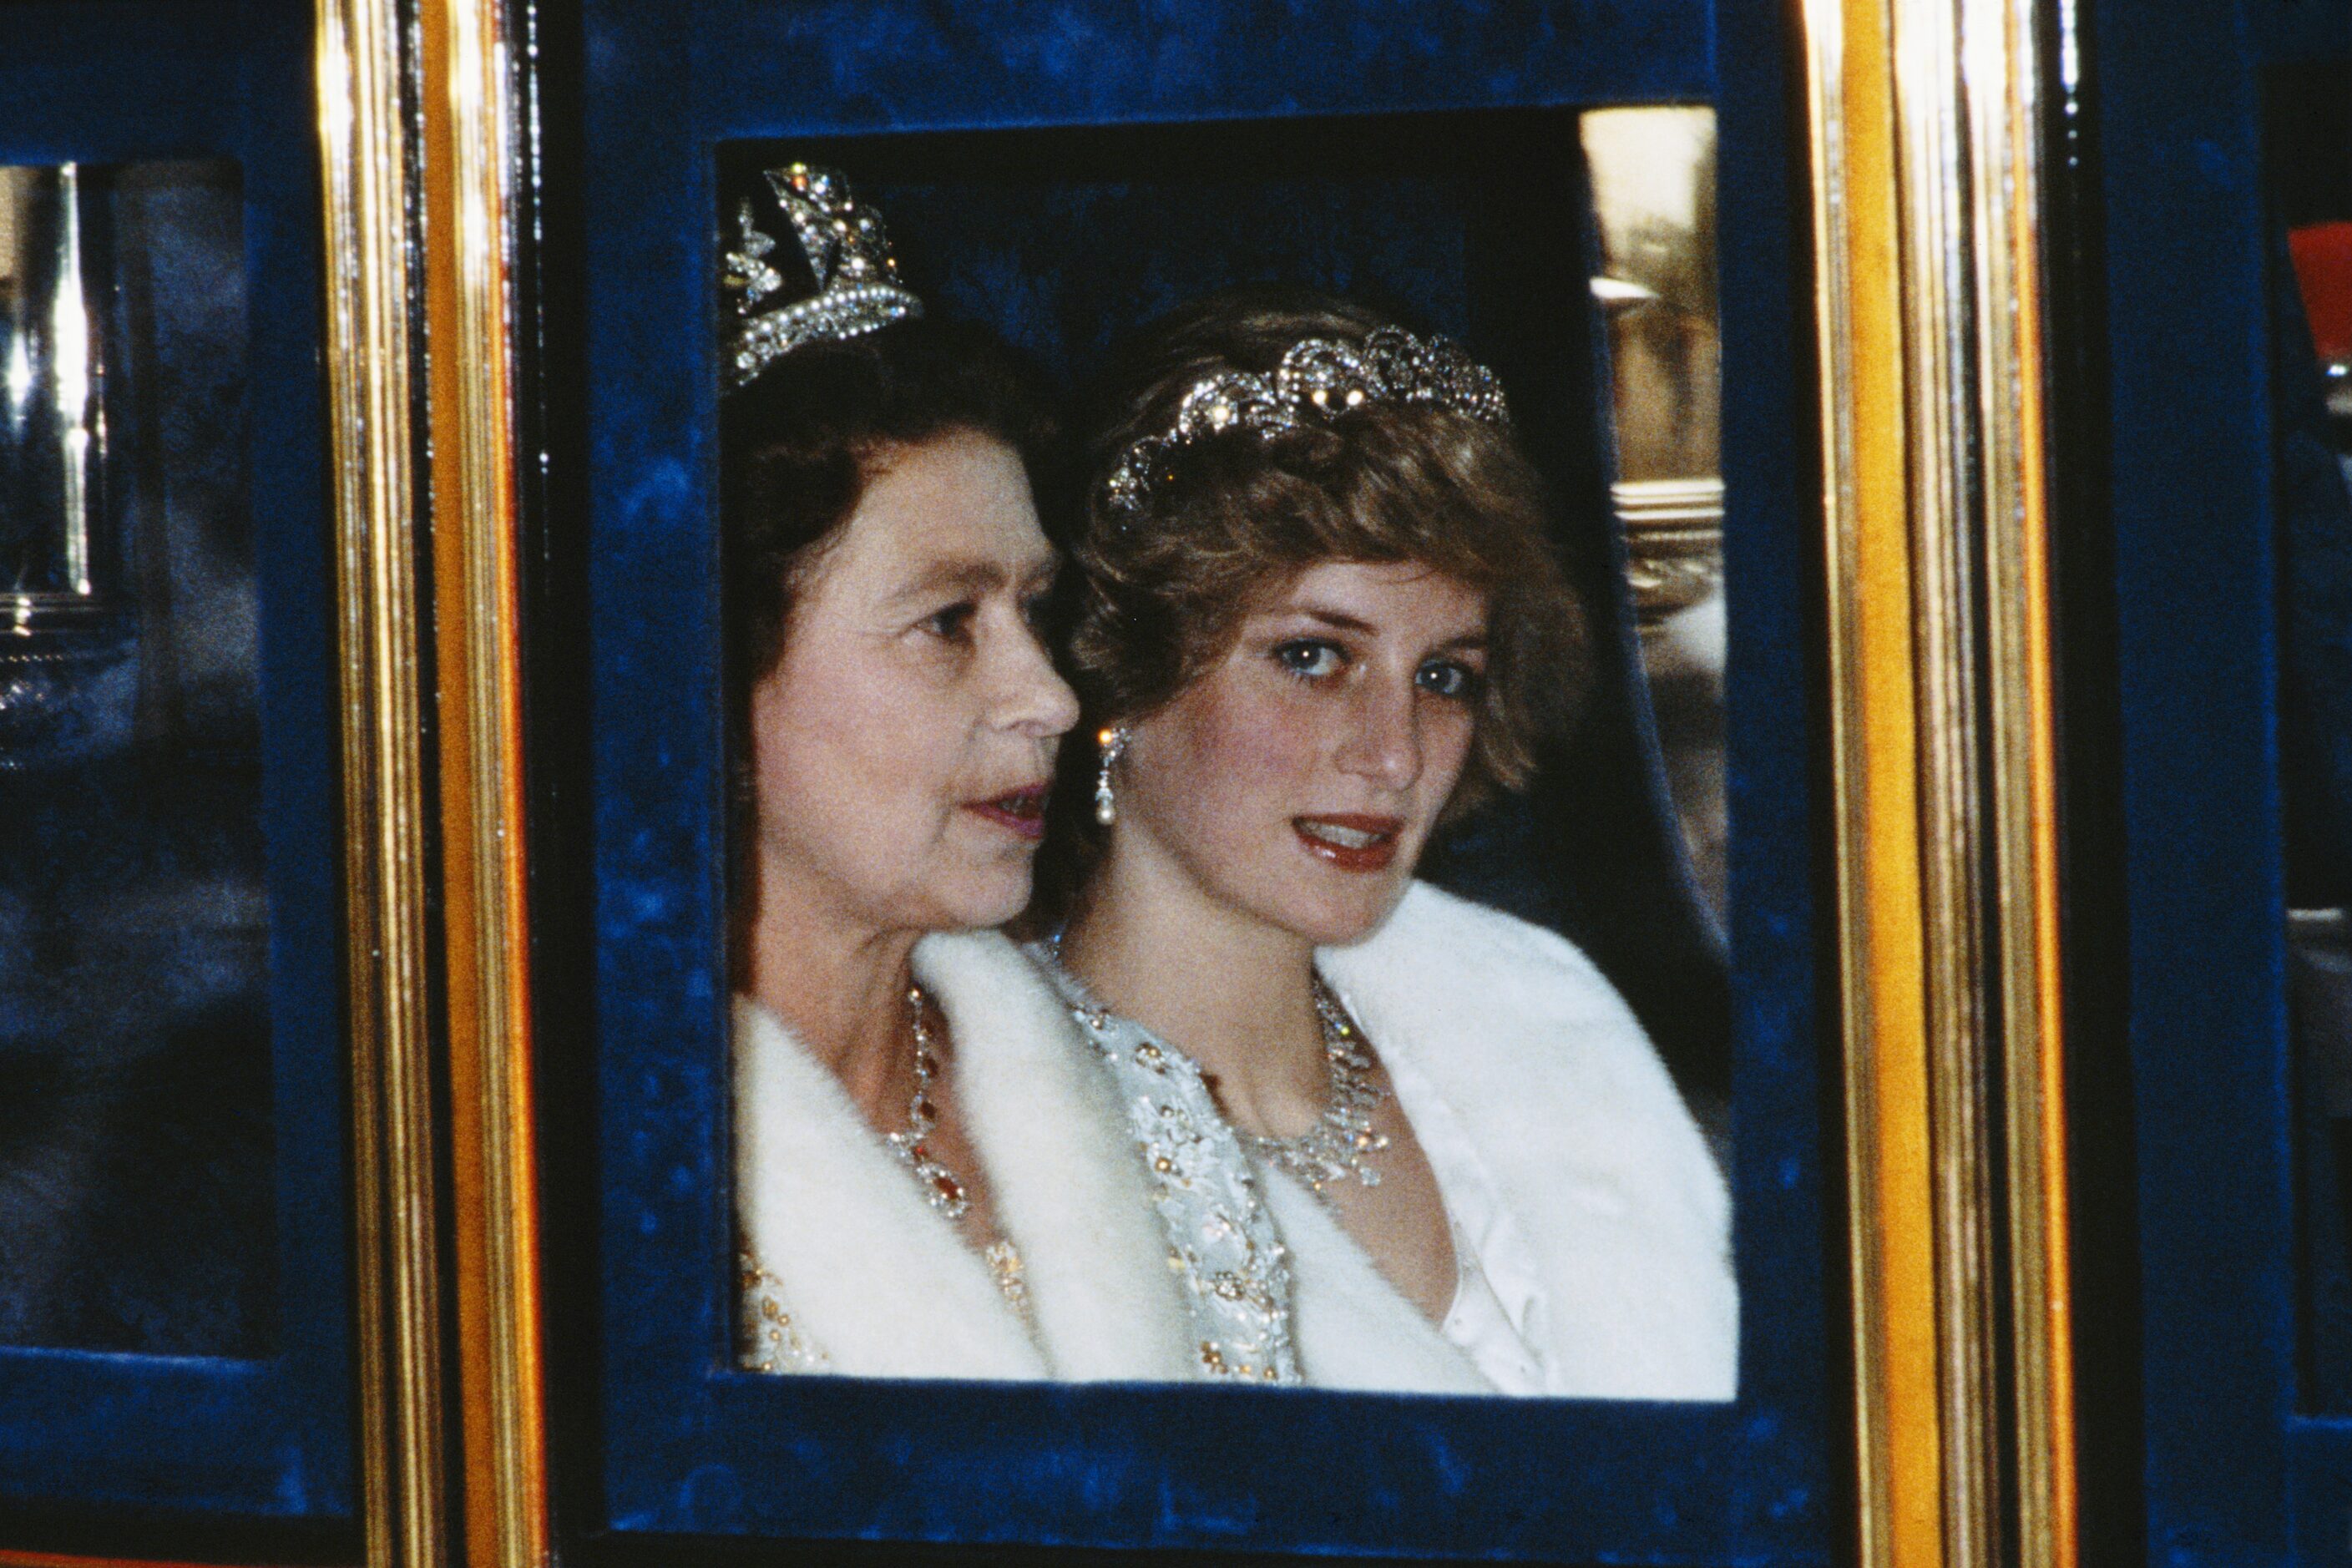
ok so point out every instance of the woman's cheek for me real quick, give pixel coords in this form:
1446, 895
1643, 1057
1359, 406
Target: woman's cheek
1457, 733
1267, 738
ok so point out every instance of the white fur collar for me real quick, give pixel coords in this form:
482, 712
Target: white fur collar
1582, 1131
1354, 1329
884, 1286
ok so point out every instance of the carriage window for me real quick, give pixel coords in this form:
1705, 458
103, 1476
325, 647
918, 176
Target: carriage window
1653, 175
1609, 840
136, 1189
2309, 156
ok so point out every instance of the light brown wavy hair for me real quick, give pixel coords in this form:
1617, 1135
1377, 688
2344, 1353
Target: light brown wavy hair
1159, 594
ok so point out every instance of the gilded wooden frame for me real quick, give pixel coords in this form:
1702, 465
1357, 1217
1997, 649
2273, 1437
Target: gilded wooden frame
1924, 118
416, 123
1926, 124
363, 132
472, 159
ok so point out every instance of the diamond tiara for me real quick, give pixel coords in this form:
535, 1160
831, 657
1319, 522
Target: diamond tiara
857, 287
1319, 379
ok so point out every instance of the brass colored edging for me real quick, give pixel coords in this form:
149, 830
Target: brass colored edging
2013, 345
364, 161
1891, 1236
1933, 188
1924, 142
469, 103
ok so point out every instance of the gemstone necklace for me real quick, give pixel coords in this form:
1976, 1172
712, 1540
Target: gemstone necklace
941, 1185
1341, 1141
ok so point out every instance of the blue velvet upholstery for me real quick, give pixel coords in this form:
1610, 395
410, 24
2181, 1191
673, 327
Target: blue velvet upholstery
1234, 145
261, 1425
2194, 519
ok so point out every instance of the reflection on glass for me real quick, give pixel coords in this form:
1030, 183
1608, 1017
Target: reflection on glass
58, 622
2308, 128
2321, 252
1653, 172
135, 1182
54, 435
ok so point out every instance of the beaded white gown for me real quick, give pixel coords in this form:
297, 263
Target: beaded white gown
1588, 1220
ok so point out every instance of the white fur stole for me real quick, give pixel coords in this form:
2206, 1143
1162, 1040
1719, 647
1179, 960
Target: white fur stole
1586, 1139
881, 1284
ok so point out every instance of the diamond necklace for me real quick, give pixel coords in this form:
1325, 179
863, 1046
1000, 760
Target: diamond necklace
943, 1186
1341, 1141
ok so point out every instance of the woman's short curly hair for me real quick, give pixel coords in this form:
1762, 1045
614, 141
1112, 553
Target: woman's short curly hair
1161, 591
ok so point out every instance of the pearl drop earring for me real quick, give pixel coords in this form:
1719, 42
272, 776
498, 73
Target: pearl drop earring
1113, 742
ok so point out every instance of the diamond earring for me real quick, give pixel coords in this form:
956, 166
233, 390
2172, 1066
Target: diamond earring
1113, 742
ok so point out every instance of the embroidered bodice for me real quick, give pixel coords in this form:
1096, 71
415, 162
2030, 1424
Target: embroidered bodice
768, 1339
1222, 1241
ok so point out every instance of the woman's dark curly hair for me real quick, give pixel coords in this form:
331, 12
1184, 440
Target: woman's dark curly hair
1161, 594
797, 449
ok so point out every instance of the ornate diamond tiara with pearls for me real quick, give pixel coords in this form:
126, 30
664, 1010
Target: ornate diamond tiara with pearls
1318, 378
857, 286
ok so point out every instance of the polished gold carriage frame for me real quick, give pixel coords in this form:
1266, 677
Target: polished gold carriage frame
393, 514
1925, 119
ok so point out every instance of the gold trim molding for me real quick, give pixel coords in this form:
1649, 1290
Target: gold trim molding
471, 159
2023, 731
1925, 126
364, 147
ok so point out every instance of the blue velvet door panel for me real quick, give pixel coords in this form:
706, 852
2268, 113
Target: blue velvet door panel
1421, 155
2200, 379
249, 1414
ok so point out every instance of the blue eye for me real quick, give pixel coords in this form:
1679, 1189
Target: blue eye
1309, 658
1444, 677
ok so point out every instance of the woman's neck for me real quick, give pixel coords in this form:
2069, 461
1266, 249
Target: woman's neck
1232, 992
839, 985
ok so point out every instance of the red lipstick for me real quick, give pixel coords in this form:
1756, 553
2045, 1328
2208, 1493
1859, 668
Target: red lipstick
1349, 841
1021, 810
